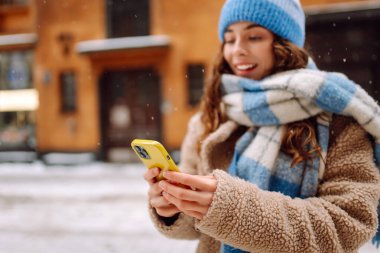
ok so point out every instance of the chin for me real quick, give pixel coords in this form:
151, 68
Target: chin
256, 78
248, 76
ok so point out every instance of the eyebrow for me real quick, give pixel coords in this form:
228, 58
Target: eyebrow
250, 26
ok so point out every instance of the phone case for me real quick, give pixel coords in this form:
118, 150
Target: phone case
153, 154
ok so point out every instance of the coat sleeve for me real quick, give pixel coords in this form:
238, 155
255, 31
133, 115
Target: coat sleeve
182, 226
340, 218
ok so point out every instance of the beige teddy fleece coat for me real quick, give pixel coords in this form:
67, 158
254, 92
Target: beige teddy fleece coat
340, 218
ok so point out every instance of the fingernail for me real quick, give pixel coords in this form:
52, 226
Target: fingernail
161, 184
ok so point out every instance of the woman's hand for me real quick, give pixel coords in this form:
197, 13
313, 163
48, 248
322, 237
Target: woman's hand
193, 200
163, 207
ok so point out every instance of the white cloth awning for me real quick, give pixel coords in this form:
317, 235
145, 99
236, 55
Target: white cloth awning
93, 46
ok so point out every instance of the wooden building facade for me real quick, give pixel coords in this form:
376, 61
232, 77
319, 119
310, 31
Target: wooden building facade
100, 73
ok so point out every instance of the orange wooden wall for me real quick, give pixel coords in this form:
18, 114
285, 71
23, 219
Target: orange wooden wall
81, 20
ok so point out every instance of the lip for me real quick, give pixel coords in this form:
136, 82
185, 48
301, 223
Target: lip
244, 72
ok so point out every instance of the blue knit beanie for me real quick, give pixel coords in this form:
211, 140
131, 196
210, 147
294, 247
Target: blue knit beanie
283, 17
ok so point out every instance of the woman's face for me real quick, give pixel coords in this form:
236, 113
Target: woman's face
248, 50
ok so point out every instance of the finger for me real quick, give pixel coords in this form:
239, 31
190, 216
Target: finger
167, 211
154, 190
201, 197
199, 182
148, 176
184, 205
160, 202
151, 174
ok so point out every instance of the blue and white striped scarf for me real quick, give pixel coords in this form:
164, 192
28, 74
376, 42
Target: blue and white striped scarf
266, 106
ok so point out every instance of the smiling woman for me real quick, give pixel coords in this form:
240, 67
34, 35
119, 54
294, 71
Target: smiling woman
279, 158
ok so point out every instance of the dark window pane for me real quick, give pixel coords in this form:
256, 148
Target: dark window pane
68, 92
15, 70
17, 130
127, 18
348, 42
14, 2
195, 80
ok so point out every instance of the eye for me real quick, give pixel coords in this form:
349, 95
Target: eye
229, 41
255, 38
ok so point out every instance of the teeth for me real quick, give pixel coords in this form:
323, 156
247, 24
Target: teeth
244, 67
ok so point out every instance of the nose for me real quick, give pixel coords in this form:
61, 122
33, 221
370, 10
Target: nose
239, 47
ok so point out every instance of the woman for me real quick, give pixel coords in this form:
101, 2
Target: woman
280, 157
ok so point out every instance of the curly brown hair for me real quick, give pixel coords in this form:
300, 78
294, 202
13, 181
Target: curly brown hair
300, 141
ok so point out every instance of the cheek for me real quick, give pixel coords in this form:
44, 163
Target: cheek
227, 54
268, 57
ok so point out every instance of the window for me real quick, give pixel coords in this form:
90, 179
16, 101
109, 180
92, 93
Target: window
195, 80
348, 42
18, 100
68, 91
13, 2
127, 18
15, 70
17, 130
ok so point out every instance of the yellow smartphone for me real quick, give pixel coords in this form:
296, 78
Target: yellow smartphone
153, 154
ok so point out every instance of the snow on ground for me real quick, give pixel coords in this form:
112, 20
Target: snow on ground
91, 208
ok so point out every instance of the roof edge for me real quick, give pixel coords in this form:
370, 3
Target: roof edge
137, 42
18, 39
342, 7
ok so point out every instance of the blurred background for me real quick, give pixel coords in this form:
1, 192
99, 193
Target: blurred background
80, 79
